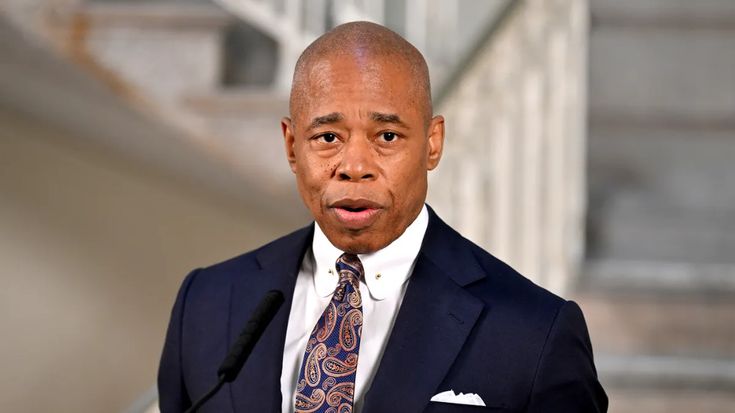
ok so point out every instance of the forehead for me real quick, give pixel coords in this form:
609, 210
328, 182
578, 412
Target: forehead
355, 80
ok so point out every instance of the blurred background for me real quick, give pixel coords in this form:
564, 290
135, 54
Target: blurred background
591, 144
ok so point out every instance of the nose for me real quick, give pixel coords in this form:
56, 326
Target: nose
357, 163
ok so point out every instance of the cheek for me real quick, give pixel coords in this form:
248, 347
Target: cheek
313, 177
310, 180
408, 182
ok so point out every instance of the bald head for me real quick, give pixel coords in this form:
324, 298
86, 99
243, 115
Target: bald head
368, 45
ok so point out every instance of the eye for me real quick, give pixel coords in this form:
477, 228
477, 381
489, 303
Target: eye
327, 137
388, 136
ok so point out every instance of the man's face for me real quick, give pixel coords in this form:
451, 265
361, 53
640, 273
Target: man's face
360, 147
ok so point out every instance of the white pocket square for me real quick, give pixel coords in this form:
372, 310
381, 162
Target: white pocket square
470, 399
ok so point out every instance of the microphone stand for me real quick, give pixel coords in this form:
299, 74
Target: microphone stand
243, 346
208, 395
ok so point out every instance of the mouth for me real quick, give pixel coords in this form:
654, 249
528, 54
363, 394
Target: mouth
356, 213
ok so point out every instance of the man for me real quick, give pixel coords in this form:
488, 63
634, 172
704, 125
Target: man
386, 306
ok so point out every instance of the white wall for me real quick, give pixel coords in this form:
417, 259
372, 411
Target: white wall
92, 250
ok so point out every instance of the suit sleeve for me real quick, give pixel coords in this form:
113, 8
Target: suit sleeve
172, 394
566, 379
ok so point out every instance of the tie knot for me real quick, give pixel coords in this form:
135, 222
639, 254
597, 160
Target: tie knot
349, 269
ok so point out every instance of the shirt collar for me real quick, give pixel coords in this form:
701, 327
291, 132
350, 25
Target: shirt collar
386, 270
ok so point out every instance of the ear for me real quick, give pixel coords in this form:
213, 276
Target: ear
288, 141
436, 141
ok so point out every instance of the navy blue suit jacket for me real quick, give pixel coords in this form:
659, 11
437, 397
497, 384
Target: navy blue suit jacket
468, 322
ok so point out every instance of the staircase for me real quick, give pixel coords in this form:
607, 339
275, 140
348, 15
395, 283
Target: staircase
177, 71
658, 288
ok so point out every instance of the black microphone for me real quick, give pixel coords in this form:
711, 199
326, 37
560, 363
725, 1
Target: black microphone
243, 346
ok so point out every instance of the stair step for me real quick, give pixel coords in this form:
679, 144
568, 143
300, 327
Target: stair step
628, 322
246, 122
662, 167
654, 384
239, 102
660, 276
180, 14
648, 69
664, 13
176, 47
644, 400
666, 372
658, 234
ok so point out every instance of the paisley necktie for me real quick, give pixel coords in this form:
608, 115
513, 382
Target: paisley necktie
326, 381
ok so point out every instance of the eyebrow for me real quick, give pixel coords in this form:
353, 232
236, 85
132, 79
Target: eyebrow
335, 117
327, 119
388, 118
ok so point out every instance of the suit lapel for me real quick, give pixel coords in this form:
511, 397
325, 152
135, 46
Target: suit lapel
434, 320
258, 386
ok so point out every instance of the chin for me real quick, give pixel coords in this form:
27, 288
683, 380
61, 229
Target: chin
358, 244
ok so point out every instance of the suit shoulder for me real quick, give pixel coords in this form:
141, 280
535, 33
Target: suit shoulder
483, 274
252, 260
503, 284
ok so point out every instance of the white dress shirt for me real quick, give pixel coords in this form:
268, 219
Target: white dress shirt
386, 274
